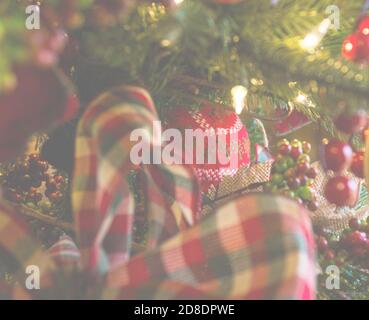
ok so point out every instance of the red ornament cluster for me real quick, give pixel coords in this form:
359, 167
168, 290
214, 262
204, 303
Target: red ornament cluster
342, 190
30, 181
352, 245
356, 46
339, 157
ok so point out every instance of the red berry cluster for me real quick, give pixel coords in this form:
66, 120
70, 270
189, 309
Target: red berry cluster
342, 190
353, 244
356, 46
29, 180
292, 174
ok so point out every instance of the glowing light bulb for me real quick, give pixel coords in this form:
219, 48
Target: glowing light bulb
349, 46
301, 98
312, 40
324, 26
239, 94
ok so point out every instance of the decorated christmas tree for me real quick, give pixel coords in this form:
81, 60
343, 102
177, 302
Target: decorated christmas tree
281, 85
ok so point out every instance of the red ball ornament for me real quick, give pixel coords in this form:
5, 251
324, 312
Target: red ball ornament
338, 156
312, 173
352, 122
363, 26
341, 191
284, 149
357, 166
355, 238
355, 47
296, 151
322, 243
302, 167
293, 183
313, 206
39, 100
329, 255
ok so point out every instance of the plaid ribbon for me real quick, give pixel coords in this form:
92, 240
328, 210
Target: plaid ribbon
103, 204
254, 247
19, 250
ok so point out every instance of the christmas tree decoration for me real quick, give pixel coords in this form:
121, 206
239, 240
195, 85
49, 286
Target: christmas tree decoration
39, 100
363, 26
351, 246
335, 218
342, 191
356, 48
292, 174
352, 122
314, 38
239, 94
227, 128
31, 180
337, 156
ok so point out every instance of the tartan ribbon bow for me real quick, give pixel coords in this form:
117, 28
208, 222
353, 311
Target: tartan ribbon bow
102, 202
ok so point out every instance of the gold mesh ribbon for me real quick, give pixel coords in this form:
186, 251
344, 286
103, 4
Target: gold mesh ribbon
247, 179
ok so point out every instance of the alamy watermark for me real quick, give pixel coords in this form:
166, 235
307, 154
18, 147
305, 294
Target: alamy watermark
33, 17
33, 279
332, 282
193, 146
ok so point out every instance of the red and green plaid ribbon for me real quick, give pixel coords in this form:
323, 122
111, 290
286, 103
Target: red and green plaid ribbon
103, 203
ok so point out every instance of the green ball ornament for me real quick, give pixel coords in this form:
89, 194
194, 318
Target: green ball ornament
277, 179
305, 193
268, 186
281, 166
45, 205
290, 162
